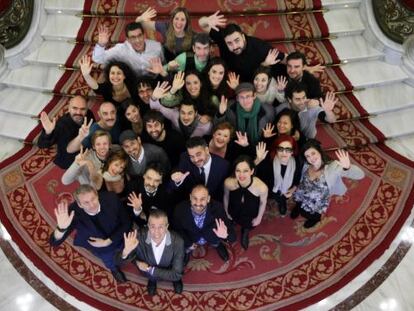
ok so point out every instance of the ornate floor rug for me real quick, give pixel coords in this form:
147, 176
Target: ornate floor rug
286, 266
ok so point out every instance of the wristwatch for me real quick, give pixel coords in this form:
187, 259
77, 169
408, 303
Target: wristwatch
61, 230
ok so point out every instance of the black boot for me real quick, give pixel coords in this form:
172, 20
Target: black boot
282, 206
152, 287
244, 239
295, 211
178, 286
119, 276
222, 251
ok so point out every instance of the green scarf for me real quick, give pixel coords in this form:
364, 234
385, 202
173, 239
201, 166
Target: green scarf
247, 121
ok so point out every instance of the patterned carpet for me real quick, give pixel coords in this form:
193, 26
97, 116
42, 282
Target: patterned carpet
286, 266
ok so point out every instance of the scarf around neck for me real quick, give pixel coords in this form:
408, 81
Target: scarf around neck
247, 121
283, 183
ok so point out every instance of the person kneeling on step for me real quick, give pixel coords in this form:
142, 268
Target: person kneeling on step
321, 178
157, 252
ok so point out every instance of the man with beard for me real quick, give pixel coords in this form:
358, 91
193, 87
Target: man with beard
201, 221
149, 193
198, 166
140, 155
62, 132
136, 51
168, 139
184, 119
242, 53
145, 89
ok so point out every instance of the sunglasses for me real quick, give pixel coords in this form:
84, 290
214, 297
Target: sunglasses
281, 149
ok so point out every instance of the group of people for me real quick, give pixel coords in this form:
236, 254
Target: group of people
190, 142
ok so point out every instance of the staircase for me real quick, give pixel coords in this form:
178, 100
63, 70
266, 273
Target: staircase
382, 88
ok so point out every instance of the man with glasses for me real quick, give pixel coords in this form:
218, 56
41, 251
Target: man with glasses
136, 51
246, 114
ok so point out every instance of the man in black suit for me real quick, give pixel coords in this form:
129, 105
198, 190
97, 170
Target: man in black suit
198, 166
157, 252
100, 223
201, 221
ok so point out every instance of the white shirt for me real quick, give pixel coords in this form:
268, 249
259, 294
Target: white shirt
124, 52
207, 168
158, 250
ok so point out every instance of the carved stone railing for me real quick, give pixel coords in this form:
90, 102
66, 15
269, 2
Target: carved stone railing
395, 18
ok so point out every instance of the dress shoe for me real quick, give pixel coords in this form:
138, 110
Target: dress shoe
152, 287
282, 208
295, 212
119, 276
244, 241
186, 258
222, 252
178, 286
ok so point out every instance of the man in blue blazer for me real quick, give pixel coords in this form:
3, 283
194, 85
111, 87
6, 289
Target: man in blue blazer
100, 223
198, 166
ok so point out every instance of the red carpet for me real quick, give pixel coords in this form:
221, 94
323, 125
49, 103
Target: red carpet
286, 266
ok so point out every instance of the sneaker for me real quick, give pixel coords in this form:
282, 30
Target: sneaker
152, 287
222, 252
119, 276
178, 286
245, 238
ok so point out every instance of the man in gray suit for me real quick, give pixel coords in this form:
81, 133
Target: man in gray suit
157, 252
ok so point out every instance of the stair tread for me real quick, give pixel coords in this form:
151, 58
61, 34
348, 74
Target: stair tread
61, 26
34, 77
395, 124
21, 101
51, 52
403, 145
344, 21
9, 146
16, 126
72, 6
334, 4
371, 73
352, 48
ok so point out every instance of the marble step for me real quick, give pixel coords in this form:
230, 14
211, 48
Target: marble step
372, 73
64, 6
340, 4
51, 53
387, 98
395, 124
16, 126
23, 102
61, 27
403, 145
34, 77
344, 22
354, 48
9, 146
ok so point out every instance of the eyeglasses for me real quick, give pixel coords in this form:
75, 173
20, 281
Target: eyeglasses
281, 149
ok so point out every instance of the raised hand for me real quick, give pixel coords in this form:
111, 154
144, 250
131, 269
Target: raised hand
84, 129
221, 230
329, 103
47, 124
216, 20
130, 243
271, 58
85, 65
173, 65
63, 218
343, 159
135, 201
242, 139
268, 130
281, 83
223, 105
80, 158
178, 177
148, 15
315, 69
103, 35
98, 242
178, 82
261, 152
160, 90
156, 66
233, 80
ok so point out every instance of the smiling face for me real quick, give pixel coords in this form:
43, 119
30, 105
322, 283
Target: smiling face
199, 198
193, 85
187, 114
236, 42
298, 101
107, 115
246, 100
137, 40
216, 75
77, 109
152, 179
314, 158
199, 155
145, 92
116, 76
261, 82
154, 129
284, 152
89, 202
295, 68
284, 125
132, 114
157, 228
221, 138
179, 22
132, 147
101, 146
243, 173
116, 167
201, 51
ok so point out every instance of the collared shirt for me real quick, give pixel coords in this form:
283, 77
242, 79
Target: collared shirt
140, 157
199, 221
158, 249
138, 62
207, 168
